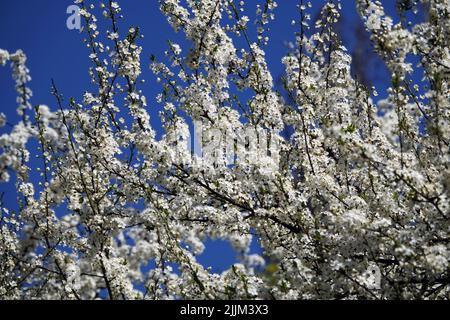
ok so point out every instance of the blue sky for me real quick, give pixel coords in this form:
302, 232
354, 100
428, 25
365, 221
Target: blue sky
54, 51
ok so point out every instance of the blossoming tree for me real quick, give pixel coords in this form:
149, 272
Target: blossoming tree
354, 203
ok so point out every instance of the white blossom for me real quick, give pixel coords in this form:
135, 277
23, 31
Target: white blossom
346, 194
